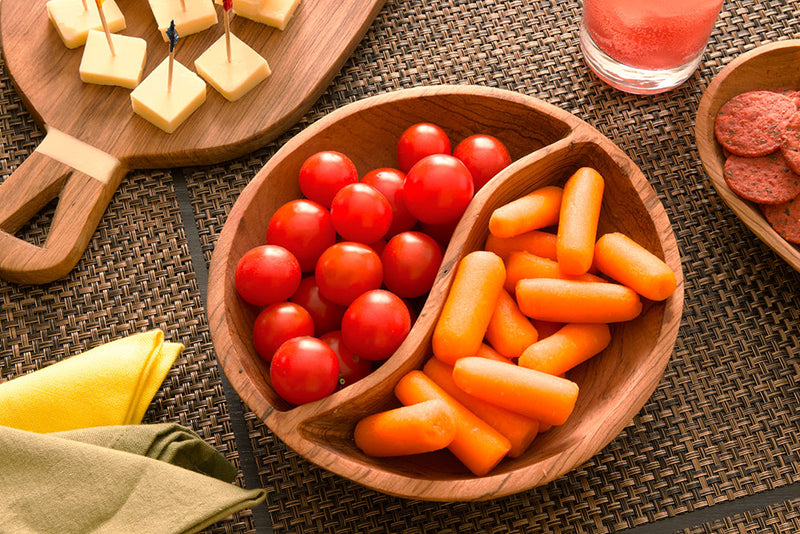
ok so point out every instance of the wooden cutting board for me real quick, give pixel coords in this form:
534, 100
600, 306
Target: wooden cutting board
304, 58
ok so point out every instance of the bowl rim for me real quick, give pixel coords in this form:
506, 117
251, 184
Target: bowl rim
477, 488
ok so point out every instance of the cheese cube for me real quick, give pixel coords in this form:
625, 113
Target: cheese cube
275, 13
245, 70
72, 21
168, 109
198, 16
124, 68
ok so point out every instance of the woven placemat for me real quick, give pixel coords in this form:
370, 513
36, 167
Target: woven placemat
723, 422
135, 276
782, 518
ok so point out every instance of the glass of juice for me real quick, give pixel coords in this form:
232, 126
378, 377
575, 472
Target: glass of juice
646, 46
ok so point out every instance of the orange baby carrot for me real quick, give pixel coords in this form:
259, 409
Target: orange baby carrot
522, 265
485, 351
568, 301
423, 427
536, 242
519, 430
570, 346
545, 398
577, 225
630, 264
468, 307
536, 210
509, 331
479, 446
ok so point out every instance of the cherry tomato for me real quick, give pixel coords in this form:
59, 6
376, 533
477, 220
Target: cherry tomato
304, 369
360, 213
438, 189
267, 274
325, 314
418, 141
346, 270
410, 263
484, 156
351, 367
303, 228
277, 323
375, 324
324, 173
390, 183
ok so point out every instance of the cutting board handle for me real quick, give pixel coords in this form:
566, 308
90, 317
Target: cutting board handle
82, 178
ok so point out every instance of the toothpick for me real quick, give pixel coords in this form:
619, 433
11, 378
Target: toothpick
105, 26
172, 36
85, 5
169, 72
228, 34
183, 5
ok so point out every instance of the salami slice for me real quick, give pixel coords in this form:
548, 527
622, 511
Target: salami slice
785, 219
750, 124
764, 180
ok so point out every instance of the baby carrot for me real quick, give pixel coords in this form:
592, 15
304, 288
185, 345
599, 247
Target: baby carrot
423, 427
519, 430
570, 346
479, 446
539, 209
630, 264
536, 242
577, 226
509, 331
522, 265
545, 398
568, 301
485, 351
468, 307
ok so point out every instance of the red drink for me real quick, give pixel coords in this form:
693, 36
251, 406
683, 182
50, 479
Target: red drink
630, 43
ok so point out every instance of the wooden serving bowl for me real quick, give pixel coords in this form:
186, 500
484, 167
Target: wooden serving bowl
770, 67
547, 145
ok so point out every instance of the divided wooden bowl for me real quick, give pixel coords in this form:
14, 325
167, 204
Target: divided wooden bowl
547, 146
770, 67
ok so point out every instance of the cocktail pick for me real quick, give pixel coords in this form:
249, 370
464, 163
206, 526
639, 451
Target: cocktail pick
227, 5
183, 5
172, 35
85, 5
105, 25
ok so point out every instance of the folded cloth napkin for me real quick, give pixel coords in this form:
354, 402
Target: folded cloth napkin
112, 384
115, 480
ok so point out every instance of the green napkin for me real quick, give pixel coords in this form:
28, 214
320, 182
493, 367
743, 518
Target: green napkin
137, 478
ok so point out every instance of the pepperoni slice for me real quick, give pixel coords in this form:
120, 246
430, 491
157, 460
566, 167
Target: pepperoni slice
764, 180
751, 124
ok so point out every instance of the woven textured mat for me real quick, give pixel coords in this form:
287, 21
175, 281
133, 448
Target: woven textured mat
724, 420
135, 276
778, 519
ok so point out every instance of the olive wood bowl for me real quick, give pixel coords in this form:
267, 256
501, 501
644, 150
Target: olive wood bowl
547, 146
774, 66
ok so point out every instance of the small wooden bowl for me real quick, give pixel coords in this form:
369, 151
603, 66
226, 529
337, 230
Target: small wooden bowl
548, 145
770, 67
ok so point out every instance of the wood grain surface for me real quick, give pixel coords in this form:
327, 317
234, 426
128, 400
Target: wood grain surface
304, 58
771, 67
547, 145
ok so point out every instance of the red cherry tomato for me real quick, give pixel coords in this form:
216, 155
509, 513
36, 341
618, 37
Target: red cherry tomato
410, 263
360, 213
267, 274
418, 141
303, 228
351, 367
390, 183
346, 270
438, 189
324, 173
375, 324
484, 156
304, 369
325, 314
278, 323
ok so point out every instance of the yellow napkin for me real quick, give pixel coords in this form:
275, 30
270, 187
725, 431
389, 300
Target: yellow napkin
112, 384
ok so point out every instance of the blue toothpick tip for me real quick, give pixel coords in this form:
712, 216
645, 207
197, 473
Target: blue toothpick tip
172, 35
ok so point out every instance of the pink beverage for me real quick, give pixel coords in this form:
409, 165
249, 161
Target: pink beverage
646, 46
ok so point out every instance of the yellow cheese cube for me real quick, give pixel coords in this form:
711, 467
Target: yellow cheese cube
275, 13
168, 109
72, 21
124, 68
198, 16
245, 70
